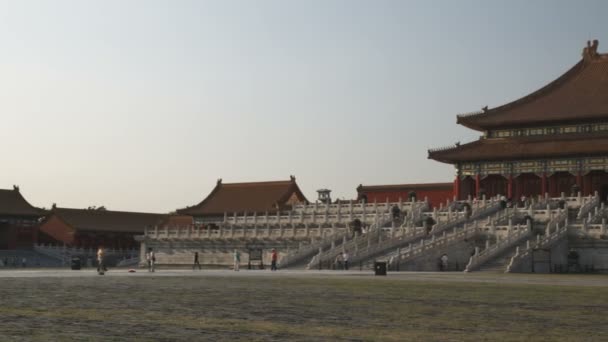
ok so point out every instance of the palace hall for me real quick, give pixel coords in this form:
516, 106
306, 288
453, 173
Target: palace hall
552, 141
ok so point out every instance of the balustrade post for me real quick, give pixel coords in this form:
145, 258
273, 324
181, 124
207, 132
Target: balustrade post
603, 229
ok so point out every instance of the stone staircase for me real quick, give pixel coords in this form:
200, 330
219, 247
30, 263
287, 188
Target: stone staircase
441, 237
501, 262
299, 258
14, 258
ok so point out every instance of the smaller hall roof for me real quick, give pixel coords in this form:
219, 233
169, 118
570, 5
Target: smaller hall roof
546, 146
102, 220
404, 187
581, 94
252, 197
12, 203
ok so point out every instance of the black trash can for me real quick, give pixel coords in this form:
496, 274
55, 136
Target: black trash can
380, 268
75, 263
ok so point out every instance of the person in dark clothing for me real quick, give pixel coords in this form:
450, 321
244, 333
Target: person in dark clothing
196, 263
273, 259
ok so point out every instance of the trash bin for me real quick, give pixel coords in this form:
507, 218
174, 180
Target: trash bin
380, 268
75, 263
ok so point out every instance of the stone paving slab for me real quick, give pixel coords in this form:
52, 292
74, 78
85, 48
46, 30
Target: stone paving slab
538, 279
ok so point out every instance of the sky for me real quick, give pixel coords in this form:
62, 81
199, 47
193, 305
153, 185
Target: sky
143, 105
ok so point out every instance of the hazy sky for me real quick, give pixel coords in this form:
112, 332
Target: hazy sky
142, 105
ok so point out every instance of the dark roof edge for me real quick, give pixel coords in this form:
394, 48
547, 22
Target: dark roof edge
363, 188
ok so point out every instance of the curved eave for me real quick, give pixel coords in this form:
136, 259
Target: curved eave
532, 109
469, 122
525, 148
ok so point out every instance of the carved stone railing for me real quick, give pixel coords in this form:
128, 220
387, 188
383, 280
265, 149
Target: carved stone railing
589, 230
589, 204
373, 234
441, 235
502, 245
307, 251
242, 232
323, 208
422, 246
492, 251
554, 233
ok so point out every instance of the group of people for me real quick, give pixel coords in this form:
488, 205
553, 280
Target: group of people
342, 261
14, 262
151, 260
237, 260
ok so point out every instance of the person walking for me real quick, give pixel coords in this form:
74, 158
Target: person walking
273, 260
151, 259
101, 267
196, 263
444, 262
345, 258
237, 260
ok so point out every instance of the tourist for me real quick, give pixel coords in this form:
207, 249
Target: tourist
196, 263
345, 257
396, 212
237, 259
101, 267
151, 259
338, 262
23, 262
273, 259
503, 202
444, 262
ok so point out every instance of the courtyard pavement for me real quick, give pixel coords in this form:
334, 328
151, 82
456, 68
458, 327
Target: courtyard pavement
446, 277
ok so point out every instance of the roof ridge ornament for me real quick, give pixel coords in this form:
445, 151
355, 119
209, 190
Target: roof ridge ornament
590, 51
16, 187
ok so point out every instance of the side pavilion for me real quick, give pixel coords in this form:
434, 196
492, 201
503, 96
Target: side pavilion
258, 198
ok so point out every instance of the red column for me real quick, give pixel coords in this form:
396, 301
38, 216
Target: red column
510, 187
543, 184
457, 187
477, 185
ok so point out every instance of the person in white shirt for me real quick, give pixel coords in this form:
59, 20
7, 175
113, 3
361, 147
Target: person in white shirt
345, 258
151, 259
101, 267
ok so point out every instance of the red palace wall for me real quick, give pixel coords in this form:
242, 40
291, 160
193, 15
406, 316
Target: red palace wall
435, 196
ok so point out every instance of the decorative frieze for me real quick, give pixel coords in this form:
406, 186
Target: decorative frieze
550, 130
549, 166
